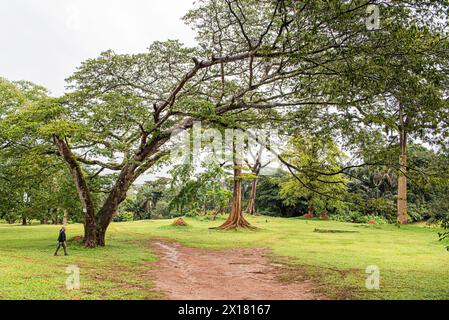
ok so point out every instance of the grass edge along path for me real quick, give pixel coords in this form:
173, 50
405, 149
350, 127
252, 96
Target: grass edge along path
413, 264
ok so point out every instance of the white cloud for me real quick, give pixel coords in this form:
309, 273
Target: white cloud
45, 40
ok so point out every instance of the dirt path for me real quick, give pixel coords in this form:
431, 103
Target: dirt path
243, 274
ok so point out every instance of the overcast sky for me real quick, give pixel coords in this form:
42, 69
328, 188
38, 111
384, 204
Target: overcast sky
45, 40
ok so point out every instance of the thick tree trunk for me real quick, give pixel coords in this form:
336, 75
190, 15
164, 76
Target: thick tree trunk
402, 179
24, 221
101, 236
110, 206
90, 238
129, 173
402, 192
85, 197
236, 219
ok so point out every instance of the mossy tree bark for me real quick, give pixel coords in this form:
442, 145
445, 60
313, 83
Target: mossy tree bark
90, 239
402, 217
251, 209
256, 168
236, 220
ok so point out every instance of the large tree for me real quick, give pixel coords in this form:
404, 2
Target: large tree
251, 55
126, 107
406, 86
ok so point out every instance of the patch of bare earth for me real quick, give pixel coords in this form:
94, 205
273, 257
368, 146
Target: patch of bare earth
184, 273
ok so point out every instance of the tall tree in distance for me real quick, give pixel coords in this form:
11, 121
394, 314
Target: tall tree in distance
255, 169
407, 88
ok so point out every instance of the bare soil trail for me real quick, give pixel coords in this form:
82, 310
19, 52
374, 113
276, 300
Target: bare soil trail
184, 273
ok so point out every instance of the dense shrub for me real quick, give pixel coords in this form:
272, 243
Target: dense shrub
358, 217
124, 216
161, 210
195, 212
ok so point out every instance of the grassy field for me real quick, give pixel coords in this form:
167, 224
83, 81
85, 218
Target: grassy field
413, 263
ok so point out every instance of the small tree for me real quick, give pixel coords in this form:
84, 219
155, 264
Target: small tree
311, 158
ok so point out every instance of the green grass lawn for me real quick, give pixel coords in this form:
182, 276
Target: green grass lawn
413, 263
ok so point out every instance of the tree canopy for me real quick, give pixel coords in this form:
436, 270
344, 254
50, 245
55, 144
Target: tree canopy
315, 70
